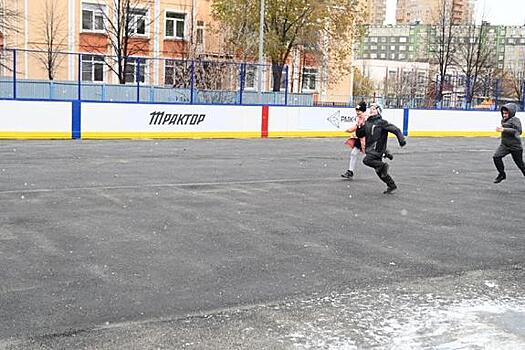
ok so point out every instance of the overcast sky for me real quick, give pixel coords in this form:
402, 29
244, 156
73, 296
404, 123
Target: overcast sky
508, 12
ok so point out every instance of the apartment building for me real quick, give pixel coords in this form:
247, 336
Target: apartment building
160, 28
163, 32
412, 43
427, 11
398, 57
376, 11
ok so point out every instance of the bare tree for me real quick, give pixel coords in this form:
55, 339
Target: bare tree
213, 72
54, 37
442, 47
9, 24
124, 22
513, 81
475, 57
401, 87
9, 18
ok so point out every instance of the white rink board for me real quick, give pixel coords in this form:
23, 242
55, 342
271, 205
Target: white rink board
166, 118
299, 119
445, 120
35, 116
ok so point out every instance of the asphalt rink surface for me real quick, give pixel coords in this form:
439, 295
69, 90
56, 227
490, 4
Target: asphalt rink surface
258, 244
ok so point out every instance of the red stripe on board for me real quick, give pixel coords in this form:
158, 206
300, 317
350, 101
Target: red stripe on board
264, 125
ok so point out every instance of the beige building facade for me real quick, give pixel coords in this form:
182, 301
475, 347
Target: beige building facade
164, 29
167, 30
376, 11
427, 11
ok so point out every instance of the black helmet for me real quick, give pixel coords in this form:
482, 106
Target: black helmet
361, 106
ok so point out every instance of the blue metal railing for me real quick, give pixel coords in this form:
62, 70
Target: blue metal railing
211, 82
190, 87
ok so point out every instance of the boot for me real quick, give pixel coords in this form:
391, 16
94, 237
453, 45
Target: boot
390, 189
390, 184
348, 174
499, 178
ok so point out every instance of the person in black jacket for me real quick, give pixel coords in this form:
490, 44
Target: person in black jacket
510, 141
376, 130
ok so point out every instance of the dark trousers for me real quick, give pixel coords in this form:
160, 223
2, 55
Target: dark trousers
380, 167
503, 151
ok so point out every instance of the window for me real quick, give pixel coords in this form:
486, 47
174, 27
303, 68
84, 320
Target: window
93, 17
169, 72
130, 70
373, 47
383, 55
284, 79
175, 23
402, 56
137, 20
373, 56
177, 73
403, 39
250, 77
200, 32
383, 39
309, 79
402, 48
92, 68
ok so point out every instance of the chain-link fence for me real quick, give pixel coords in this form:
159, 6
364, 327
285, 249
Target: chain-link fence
33, 74
419, 85
36, 74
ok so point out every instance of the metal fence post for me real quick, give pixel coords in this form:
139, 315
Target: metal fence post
286, 86
79, 68
467, 94
496, 95
523, 96
137, 77
241, 82
192, 97
14, 74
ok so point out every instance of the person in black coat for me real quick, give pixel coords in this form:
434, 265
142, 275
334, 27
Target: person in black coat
510, 141
376, 130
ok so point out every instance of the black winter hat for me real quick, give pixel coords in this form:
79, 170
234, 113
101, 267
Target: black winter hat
361, 106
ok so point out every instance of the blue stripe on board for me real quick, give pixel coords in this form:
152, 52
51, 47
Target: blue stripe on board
405, 121
75, 119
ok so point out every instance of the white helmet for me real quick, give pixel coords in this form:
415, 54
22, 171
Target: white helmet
377, 106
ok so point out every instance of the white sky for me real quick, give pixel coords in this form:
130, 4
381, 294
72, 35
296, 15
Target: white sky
504, 12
